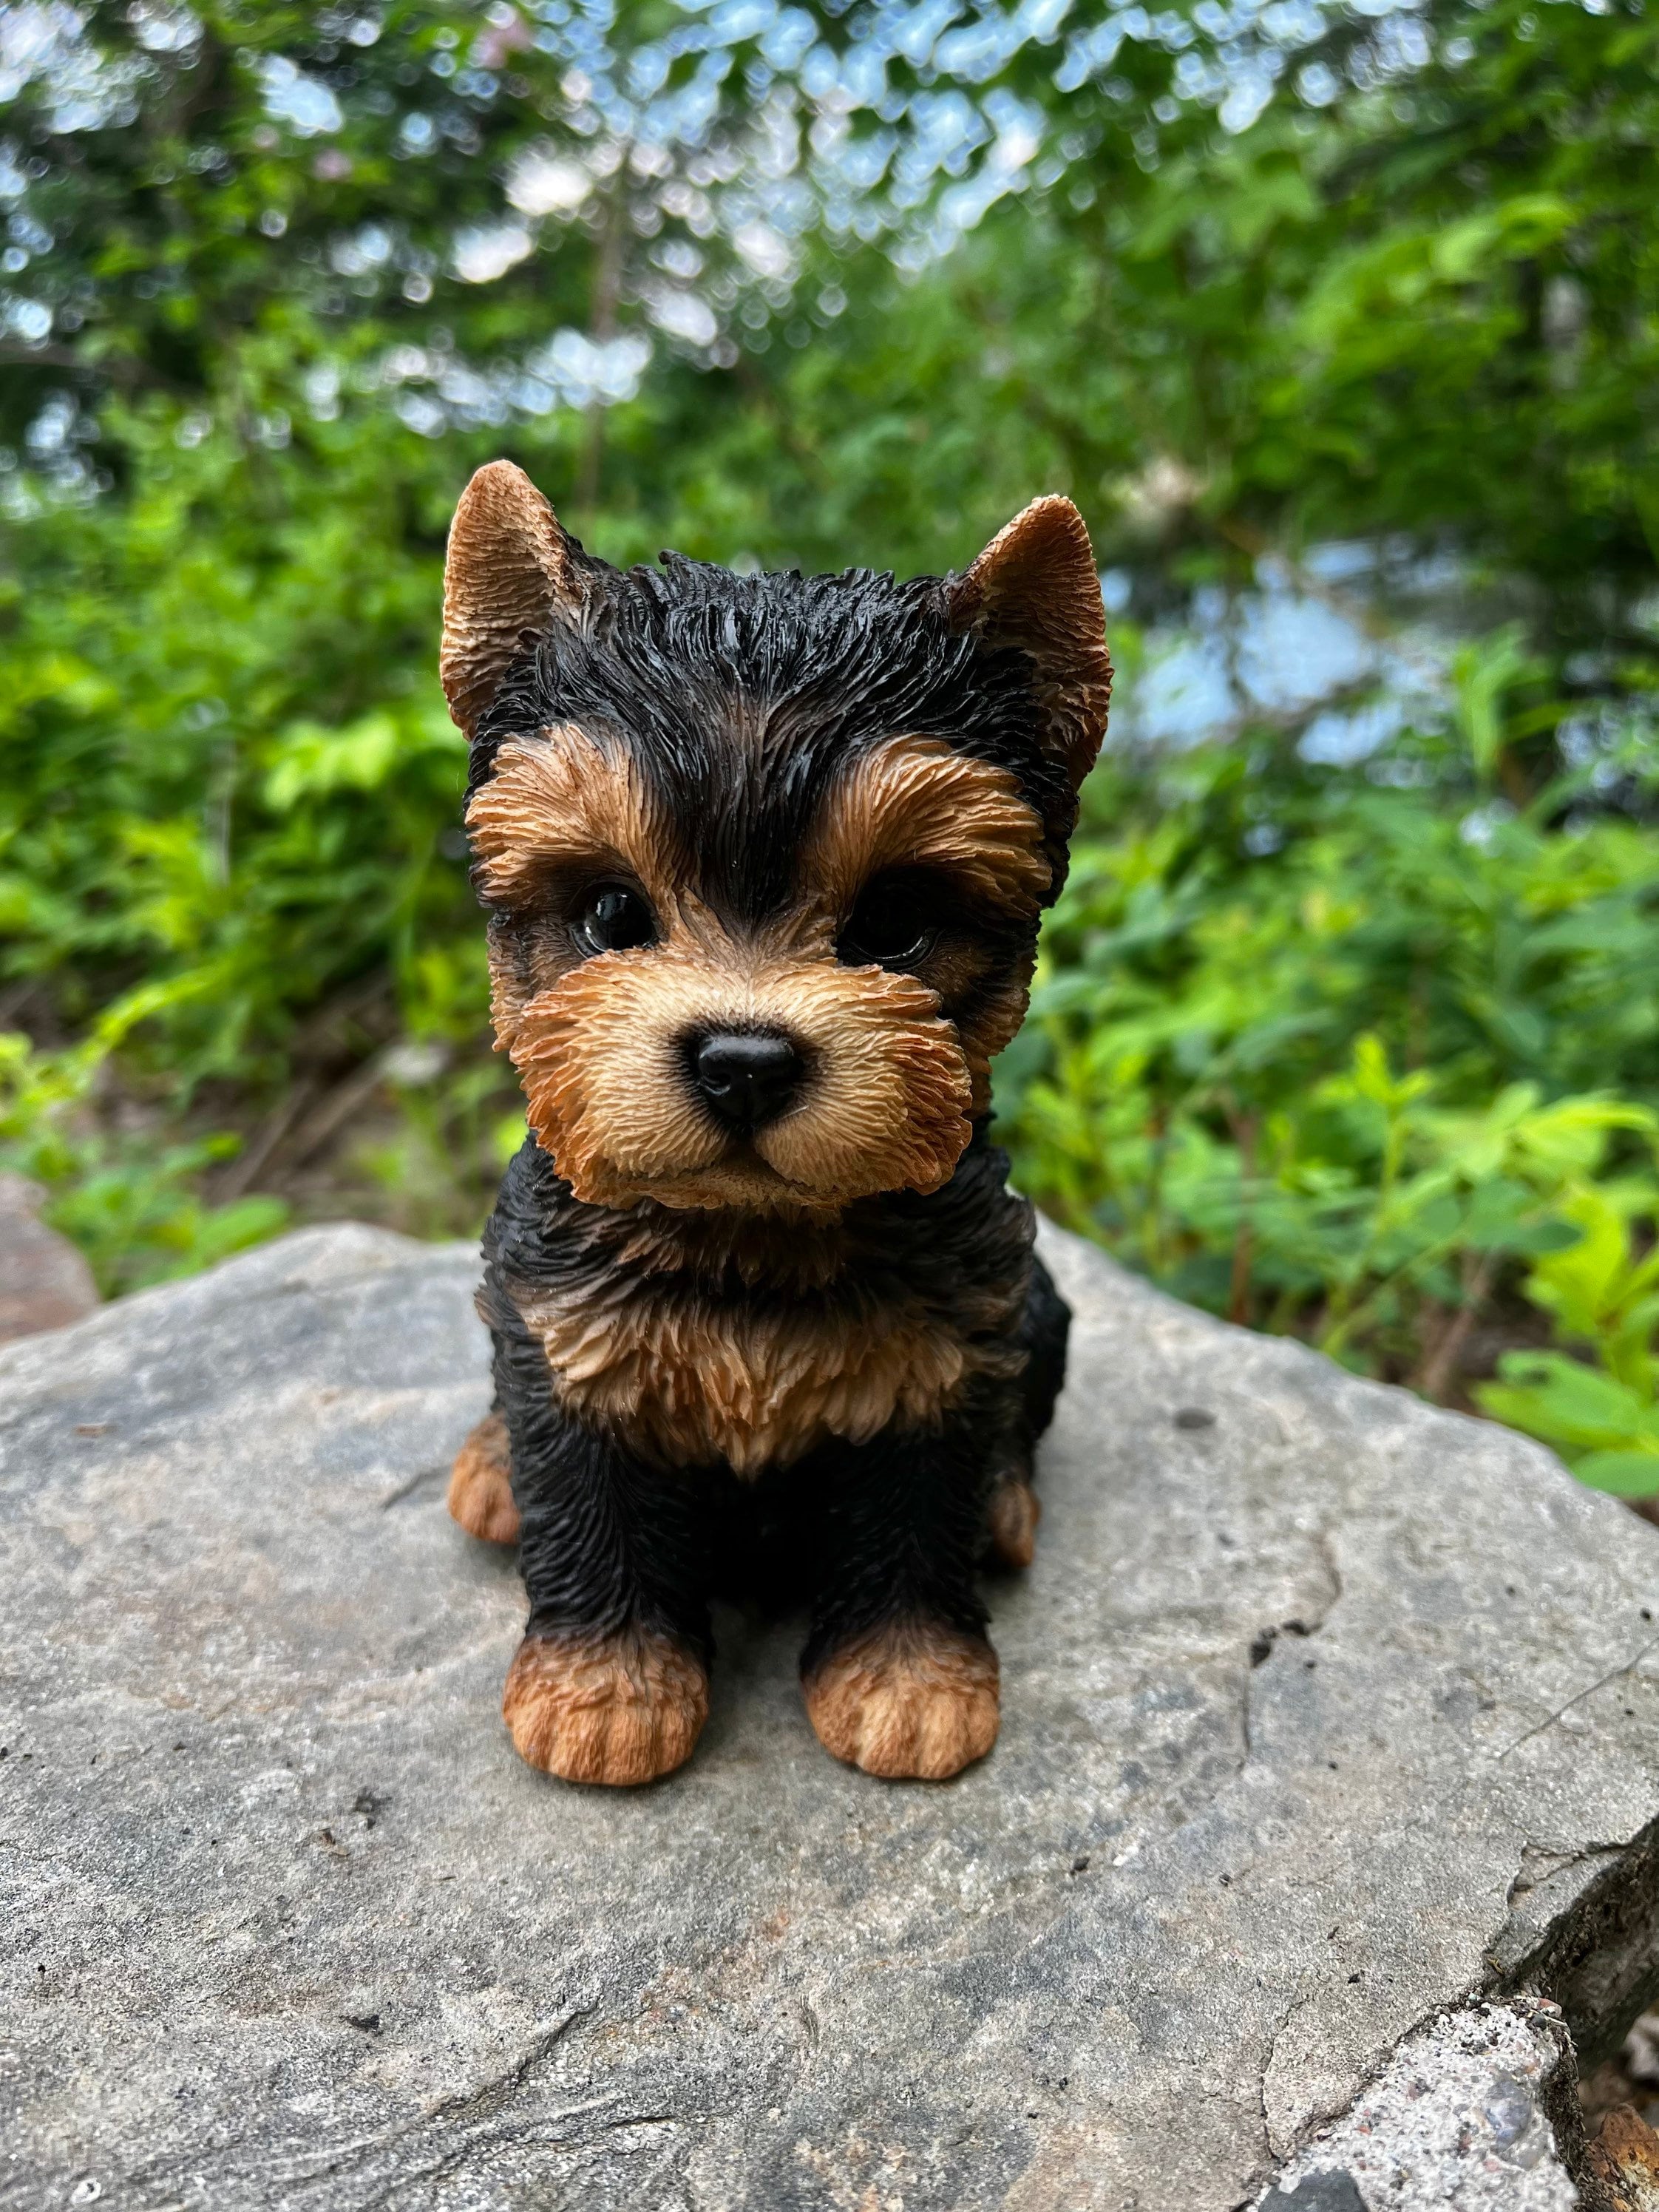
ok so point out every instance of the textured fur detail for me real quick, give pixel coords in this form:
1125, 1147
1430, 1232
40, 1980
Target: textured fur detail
599, 1043
556, 805
907, 1701
690, 1380
1035, 586
654, 1336
740, 698
915, 802
620, 1708
884, 1104
511, 571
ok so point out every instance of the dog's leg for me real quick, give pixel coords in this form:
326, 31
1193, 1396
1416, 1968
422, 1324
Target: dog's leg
899, 1677
1015, 1509
480, 1483
611, 1683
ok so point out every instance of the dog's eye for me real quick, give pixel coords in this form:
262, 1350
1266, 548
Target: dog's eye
611, 918
892, 925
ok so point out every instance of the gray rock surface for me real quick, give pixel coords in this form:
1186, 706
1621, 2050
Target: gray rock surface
1322, 1709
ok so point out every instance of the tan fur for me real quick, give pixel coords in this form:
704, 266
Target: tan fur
685, 1382
915, 802
912, 1700
558, 802
509, 568
1015, 1509
481, 1484
994, 1023
562, 796
599, 1043
884, 1106
619, 1710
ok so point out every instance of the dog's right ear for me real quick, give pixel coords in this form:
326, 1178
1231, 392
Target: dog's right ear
510, 574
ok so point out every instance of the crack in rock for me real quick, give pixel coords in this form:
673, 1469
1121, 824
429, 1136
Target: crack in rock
1613, 1674
1302, 1626
493, 2096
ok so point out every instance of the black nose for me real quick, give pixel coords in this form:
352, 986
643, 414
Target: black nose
747, 1080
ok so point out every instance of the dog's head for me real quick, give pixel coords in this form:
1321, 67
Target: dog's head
763, 856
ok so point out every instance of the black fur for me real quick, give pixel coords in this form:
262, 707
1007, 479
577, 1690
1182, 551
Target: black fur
888, 1530
816, 670
604, 1542
1047, 1326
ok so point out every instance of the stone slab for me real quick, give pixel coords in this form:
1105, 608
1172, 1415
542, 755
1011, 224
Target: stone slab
1322, 1711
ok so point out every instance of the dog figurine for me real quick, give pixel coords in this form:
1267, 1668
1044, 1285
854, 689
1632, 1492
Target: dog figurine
763, 858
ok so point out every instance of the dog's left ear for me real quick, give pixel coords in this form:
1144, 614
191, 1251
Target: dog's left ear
1035, 586
510, 574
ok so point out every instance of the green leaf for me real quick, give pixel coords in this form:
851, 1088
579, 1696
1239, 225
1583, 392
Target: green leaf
1626, 1473
1568, 1403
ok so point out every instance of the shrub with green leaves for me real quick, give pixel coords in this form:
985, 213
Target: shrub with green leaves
135, 1209
1357, 1076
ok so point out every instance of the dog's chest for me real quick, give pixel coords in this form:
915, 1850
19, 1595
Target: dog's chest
688, 1377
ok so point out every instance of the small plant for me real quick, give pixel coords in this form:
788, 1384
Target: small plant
1602, 1293
134, 1206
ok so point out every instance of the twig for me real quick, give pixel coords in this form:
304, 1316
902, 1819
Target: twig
337, 1108
243, 1171
1442, 1363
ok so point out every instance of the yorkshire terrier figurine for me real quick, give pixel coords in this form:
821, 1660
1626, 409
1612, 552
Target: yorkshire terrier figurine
763, 858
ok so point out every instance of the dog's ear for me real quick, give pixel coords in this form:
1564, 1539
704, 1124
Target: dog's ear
1035, 586
510, 572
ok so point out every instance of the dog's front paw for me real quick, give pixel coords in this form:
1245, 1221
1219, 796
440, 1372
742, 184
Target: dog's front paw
481, 1484
914, 1699
619, 1709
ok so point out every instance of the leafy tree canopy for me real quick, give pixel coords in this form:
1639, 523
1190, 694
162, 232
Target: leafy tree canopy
1239, 273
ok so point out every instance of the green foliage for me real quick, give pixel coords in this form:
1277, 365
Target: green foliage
134, 1210
1602, 1293
227, 756
1337, 1055
1416, 293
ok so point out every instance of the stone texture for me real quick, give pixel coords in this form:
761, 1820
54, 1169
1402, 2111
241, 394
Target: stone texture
1457, 2117
45, 1282
1322, 1711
